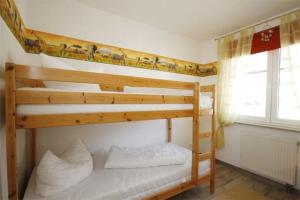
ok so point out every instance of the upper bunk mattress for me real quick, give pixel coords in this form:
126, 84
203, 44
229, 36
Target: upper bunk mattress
117, 184
36, 109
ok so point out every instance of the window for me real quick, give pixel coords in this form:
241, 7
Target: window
289, 75
273, 83
254, 102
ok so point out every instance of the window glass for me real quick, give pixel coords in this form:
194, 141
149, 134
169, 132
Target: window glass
254, 101
289, 83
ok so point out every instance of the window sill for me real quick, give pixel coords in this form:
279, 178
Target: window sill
287, 127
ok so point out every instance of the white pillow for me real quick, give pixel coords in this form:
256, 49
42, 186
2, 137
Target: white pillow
151, 156
56, 174
50, 62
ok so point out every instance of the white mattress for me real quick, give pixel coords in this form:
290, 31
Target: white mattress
117, 184
206, 102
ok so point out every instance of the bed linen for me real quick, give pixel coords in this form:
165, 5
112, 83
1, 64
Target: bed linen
57, 173
149, 156
205, 103
117, 184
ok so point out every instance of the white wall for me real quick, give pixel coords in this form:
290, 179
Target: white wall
87, 23
94, 25
80, 21
11, 51
231, 152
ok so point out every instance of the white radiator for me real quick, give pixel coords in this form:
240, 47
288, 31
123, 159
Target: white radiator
275, 158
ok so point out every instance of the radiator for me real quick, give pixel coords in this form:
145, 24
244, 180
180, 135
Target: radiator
275, 158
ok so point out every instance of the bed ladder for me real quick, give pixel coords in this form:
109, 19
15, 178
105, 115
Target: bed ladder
197, 156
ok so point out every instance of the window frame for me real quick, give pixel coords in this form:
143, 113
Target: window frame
271, 119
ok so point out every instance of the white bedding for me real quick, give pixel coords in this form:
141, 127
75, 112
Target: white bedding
205, 103
150, 156
117, 184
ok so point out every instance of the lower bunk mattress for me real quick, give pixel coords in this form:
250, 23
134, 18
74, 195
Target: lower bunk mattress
117, 184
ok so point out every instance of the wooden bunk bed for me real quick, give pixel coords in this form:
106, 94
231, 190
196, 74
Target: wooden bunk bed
34, 76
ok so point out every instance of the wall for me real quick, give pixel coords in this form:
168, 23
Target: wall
11, 51
231, 152
106, 28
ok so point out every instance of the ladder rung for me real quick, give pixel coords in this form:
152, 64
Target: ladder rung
205, 134
207, 88
205, 177
204, 156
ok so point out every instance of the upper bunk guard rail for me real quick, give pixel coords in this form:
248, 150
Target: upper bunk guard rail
51, 74
54, 97
52, 120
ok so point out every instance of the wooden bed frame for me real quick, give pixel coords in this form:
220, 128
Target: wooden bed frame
34, 76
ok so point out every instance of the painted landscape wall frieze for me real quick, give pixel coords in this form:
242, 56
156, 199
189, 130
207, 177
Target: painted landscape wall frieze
62, 46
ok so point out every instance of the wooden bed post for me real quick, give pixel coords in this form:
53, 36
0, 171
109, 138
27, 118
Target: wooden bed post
10, 112
213, 144
169, 130
195, 145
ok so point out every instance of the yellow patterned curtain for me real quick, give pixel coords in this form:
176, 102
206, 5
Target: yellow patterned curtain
232, 51
290, 29
290, 54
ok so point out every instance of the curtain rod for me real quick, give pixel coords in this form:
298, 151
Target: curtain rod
259, 23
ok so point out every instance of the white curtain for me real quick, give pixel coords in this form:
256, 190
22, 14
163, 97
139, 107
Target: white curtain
232, 51
290, 53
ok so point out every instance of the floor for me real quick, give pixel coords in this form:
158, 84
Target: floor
228, 177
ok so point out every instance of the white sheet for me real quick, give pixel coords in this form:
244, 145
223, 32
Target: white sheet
205, 103
117, 184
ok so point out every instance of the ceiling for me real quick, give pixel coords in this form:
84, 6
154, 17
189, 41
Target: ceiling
195, 19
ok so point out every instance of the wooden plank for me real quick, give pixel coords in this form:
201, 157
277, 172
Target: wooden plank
206, 134
213, 144
171, 192
50, 74
115, 88
207, 88
195, 137
32, 83
51, 120
10, 110
54, 97
204, 156
204, 178
178, 188
169, 130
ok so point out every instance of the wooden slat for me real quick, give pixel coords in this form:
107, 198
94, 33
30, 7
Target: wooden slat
54, 97
178, 188
206, 134
115, 88
169, 121
195, 138
39, 121
32, 83
10, 110
213, 144
50, 74
204, 178
207, 88
204, 156
171, 192
206, 112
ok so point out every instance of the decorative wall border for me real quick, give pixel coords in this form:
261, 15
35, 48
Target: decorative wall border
62, 46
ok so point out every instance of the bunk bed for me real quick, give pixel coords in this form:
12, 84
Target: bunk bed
34, 77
